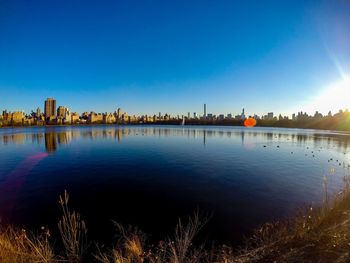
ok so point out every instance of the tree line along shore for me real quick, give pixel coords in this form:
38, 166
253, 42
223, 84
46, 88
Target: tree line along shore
336, 123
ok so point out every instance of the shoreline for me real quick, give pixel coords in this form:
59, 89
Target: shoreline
315, 234
347, 132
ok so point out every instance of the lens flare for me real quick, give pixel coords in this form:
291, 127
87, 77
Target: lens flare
249, 122
333, 97
12, 185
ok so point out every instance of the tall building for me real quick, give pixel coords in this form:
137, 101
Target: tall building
5, 115
67, 115
243, 114
17, 117
61, 111
38, 112
205, 110
270, 115
119, 113
50, 107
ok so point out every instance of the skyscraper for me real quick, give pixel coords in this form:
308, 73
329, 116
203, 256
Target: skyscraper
38, 112
61, 111
205, 110
243, 114
50, 107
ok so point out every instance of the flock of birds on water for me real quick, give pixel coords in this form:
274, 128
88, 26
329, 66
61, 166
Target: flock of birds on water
312, 154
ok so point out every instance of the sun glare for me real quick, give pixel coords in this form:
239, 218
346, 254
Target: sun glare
334, 98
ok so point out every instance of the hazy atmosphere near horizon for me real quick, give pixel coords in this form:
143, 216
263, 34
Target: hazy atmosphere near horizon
175, 131
279, 56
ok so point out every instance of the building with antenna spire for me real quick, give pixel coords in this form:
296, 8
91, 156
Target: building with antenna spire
243, 114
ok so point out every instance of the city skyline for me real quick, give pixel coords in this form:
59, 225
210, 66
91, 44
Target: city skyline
173, 57
53, 114
53, 111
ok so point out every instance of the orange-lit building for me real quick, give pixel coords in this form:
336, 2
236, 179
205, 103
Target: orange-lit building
50, 107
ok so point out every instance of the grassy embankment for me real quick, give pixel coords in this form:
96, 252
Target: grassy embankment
315, 235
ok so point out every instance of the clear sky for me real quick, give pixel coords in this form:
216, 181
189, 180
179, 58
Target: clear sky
153, 56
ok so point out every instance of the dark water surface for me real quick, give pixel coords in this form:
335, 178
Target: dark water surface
150, 175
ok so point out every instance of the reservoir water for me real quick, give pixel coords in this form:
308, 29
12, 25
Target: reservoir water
149, 176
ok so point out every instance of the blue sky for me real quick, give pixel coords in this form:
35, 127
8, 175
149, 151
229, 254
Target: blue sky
171, 56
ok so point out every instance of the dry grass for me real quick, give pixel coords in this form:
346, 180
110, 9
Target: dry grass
314, 235
19, 246
73, 231
132, 246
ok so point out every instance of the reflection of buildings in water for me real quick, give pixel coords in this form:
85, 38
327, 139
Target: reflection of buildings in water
17, 138
107, 133
194, 133
50, 142
37, 138
64, 137
242, 137
204, 137
75, 134
269, 135
119, 134
52, 138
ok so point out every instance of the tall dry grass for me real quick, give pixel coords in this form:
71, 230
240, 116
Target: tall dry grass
19, 246
133, 247
73, 231
319, 234
314, 235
